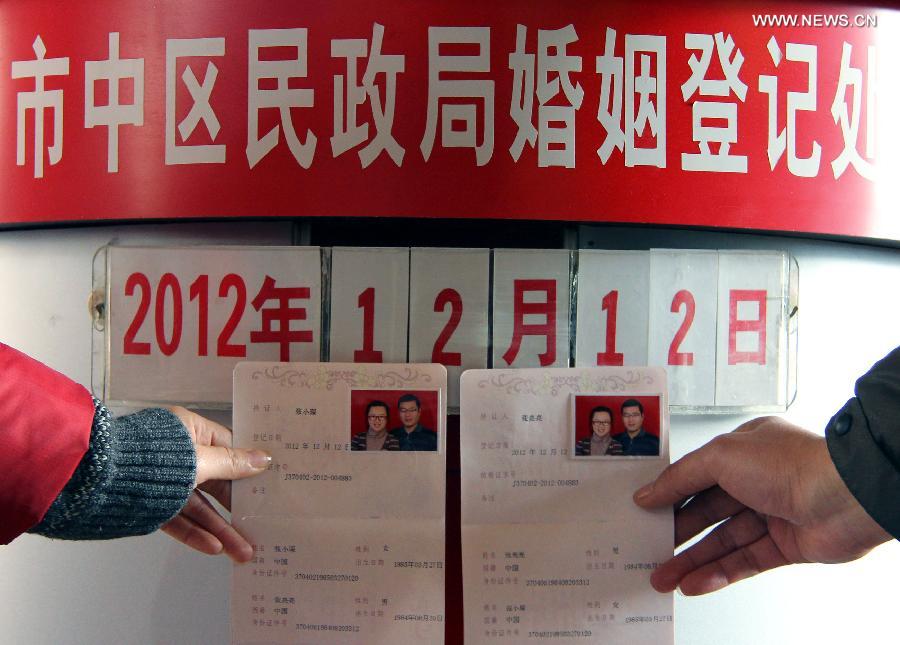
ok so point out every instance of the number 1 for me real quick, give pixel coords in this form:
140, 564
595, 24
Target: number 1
368, 354
610, 305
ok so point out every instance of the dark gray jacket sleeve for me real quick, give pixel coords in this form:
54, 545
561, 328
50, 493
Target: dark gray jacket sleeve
137, 474
864, 442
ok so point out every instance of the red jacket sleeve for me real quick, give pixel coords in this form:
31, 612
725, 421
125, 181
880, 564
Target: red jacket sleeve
45, 426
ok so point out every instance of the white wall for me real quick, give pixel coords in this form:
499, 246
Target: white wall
152, 590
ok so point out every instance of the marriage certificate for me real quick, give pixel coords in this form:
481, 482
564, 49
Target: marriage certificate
348, 523
553, 547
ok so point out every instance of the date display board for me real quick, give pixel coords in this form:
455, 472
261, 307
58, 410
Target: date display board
171, 323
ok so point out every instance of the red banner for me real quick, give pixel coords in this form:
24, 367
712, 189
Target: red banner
745, 115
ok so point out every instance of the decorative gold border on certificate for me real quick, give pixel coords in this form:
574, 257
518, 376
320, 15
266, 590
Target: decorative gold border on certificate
513, 382
325, 378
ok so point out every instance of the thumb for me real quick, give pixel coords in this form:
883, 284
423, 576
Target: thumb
695, 472
215, 462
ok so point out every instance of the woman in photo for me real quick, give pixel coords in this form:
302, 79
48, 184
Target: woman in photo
376, 435
600, 442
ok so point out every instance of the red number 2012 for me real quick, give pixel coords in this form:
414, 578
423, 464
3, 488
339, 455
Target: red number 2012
169, 290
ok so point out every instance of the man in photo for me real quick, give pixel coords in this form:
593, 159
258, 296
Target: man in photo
376, 435
411, 435
635, 440
601, 441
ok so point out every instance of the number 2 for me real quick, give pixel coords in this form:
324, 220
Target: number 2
447, 297
137, 280
230, 282
686, 298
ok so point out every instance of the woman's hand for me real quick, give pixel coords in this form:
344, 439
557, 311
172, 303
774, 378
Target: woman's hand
199, 525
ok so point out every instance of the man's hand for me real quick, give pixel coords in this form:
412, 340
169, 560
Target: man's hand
199, 525
781, 499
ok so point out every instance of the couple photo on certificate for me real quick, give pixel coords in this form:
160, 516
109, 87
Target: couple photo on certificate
413, 433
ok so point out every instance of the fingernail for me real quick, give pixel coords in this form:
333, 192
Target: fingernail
259, 459
643, 493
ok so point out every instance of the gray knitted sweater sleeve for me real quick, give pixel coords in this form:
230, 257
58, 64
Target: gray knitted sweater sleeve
137, 474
